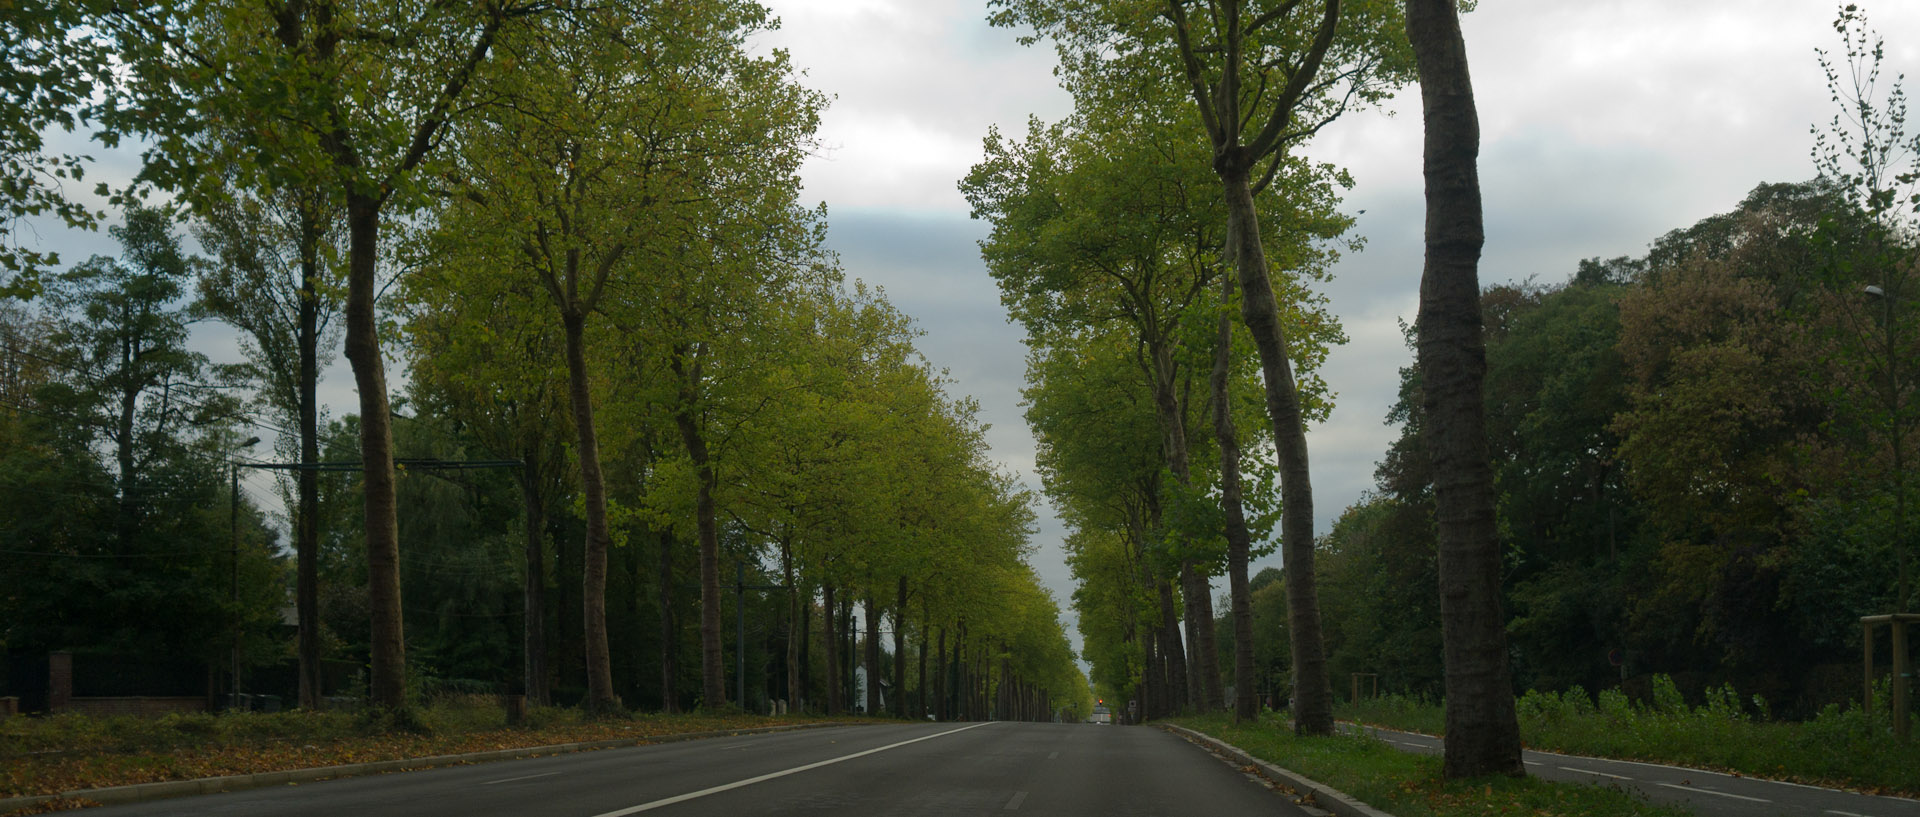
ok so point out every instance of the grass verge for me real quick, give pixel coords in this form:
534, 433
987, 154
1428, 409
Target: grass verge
1840, 748
1409, 785
74, 752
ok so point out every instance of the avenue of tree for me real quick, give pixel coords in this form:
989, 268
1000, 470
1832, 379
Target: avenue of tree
578, 227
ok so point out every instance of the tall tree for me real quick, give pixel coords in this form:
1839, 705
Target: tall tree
273, 279
1483, 733
355, 95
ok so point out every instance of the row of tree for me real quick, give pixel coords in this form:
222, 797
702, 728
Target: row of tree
597, 269
1674, 462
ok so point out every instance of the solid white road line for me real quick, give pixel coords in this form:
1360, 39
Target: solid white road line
1602, 774
1053, 755
1845, 813
514, 779
681, 798
1018, 798
1711, 791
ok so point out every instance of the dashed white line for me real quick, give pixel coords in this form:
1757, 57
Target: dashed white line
1845, 813
1053, 755
1018, 798
515, 779
1531, 762
1711, 791
681, 798
1590, 771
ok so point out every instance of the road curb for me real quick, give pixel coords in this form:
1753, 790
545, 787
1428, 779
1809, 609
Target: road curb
1320, 795
142, 792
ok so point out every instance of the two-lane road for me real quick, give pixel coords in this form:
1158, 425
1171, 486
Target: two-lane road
872, 771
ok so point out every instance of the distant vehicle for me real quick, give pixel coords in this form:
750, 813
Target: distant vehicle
1101, 715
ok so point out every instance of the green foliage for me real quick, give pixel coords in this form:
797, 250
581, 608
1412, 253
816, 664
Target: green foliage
1841, 746
1409, 784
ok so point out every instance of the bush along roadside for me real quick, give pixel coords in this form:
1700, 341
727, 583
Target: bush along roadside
1409, 785
1842, 747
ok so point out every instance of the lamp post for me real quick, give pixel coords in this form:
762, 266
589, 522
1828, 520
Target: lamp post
233, 584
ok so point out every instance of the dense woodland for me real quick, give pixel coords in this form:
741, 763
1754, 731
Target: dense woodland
638, 394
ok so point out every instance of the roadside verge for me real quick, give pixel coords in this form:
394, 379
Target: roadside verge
1307, 792
142, 792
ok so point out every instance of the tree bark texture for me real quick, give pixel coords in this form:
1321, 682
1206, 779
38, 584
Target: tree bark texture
306, 531
1483, 736
1196, 593
796, 629
899, 705
713, 674
1246, 708
1173, 654
1313, 695
669, 631
388, 651
593, 489
832, 642
534, 636
871, 655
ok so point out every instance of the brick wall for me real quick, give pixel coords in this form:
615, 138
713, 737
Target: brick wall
59, 681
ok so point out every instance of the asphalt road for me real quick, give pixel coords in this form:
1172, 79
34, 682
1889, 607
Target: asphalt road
1708, 794
871, 771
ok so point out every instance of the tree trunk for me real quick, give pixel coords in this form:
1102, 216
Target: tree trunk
796, 629
388, 651
1246, 708
713, 673
1313, 695
1196, 592
534, 637
1483, 736
669, 631
899, 706
926, 641
940, 685
1203, 658
1173, 655
805, 692
593, 487
831, 640
872, 653
306, 525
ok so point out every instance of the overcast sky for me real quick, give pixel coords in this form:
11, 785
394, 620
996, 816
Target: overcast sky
1605, 123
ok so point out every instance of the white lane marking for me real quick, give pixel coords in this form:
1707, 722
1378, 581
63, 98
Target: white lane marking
514, 779
1053, 755
1414, 745
1590, 771
681, 798
1845, 813
1014, 804
1711, 791
1531, 762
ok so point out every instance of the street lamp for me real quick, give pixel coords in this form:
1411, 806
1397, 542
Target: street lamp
233, 586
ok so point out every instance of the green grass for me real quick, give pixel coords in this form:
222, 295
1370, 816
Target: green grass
1844, 748
1409, 785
